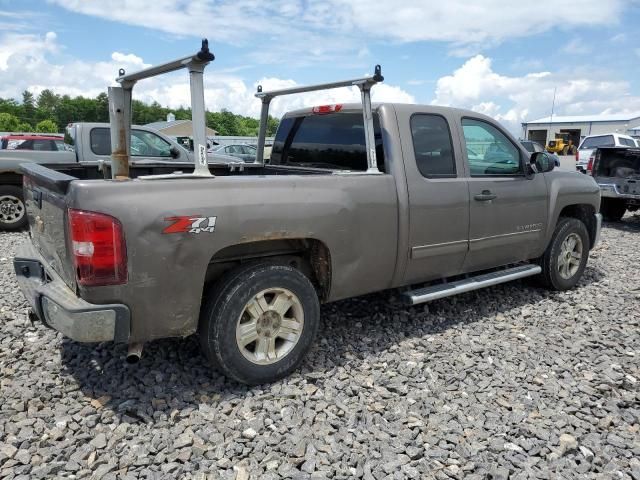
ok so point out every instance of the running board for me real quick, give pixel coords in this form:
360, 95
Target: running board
442, 290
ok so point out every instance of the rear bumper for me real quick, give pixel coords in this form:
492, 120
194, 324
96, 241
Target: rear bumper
611, 190
58, 307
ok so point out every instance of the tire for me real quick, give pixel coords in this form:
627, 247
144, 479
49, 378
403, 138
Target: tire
612, 209
13, 212
235, 305
555, 273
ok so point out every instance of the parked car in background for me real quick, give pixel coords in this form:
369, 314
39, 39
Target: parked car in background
43, 143
591, 142
617, 172
533, 147
245, 152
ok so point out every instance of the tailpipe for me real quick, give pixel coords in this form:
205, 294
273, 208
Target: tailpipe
134, 353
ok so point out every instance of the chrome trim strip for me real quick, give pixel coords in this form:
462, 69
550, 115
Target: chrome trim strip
422, 251
505, 235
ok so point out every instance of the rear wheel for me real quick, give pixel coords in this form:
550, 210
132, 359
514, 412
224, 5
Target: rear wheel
259, 322
565, 258
612, 209
13, 213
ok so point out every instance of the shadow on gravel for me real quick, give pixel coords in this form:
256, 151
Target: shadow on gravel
629, 223
173, 374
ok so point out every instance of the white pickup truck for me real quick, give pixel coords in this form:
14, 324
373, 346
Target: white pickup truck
590, 143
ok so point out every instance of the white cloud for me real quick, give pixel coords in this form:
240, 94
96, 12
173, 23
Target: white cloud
618, 38
27, 65
335, 25
576, 46
512, 100
25, 48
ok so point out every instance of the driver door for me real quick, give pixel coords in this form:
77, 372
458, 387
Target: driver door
507, 209
144, 145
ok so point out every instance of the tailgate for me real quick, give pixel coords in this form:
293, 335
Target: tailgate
619, 167
583, 155
45, 197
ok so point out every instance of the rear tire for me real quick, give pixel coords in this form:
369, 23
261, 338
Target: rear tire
259, 321
13, 212
565, 258
612, 209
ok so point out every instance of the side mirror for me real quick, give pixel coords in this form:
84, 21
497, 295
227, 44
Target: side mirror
542, 162
175, 153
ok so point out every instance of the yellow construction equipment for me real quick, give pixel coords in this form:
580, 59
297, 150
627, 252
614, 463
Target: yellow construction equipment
562, 145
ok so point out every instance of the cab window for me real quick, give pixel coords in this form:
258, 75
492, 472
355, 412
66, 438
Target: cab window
143, 143
432, 146
489, 151
333, 141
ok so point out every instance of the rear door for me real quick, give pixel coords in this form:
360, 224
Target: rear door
508, 209
438, 199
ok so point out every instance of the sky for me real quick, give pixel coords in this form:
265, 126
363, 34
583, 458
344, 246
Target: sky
499, 57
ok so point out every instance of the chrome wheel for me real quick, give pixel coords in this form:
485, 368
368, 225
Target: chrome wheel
11, 209
270, 326
570, 256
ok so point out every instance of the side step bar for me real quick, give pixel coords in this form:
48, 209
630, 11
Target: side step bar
442, 290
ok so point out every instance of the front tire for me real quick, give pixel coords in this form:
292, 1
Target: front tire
13, 212
565, 258
612, 209
259, 321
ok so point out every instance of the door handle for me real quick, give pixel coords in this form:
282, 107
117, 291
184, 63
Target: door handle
485, 196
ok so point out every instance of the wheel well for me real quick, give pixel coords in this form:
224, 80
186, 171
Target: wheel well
586, 214
10, 178
310, 256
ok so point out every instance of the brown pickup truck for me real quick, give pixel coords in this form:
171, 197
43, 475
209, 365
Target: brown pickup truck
356, 199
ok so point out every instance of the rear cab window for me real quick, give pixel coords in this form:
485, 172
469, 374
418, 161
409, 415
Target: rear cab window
332, 141
598, 141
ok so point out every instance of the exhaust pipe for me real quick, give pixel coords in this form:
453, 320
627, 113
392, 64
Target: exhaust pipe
134, 353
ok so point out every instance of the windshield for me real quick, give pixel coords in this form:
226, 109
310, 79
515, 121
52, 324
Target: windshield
599, 141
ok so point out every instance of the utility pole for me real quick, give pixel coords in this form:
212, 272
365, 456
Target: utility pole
553, 106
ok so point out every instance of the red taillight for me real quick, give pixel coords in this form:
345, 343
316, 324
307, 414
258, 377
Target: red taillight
590, 165
324, 109
577, 155
98, 247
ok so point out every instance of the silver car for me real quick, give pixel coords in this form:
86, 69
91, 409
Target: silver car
245, 152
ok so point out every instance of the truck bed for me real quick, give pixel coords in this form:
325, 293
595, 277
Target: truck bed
617, 170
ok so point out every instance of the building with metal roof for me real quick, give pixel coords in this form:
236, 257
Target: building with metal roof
579, 126
177, 128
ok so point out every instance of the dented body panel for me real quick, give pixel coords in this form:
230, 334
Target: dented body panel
354, 216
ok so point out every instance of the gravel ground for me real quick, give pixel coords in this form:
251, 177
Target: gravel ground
510, 382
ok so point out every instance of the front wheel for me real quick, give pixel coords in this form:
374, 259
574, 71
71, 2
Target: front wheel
259, 322
565, 258
13, 213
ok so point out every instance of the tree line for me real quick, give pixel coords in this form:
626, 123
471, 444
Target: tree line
51, 113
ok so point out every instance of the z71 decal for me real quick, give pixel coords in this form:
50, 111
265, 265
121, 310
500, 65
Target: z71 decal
190, 224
